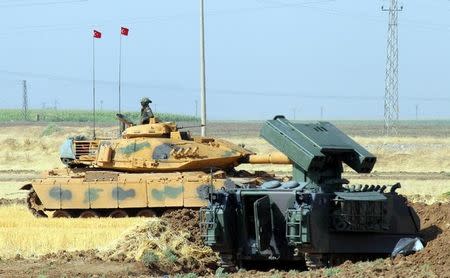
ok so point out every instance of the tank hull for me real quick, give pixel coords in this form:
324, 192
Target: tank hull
104, 192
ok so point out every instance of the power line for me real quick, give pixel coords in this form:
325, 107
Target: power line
162, 18
273, 6
216, 91
50, 3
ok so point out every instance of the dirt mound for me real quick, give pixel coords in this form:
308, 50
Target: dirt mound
8, 202
185, 219
66, 256
433, 261
163, 248
167, 245
435, 221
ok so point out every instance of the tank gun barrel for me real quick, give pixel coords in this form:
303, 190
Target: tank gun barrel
270, 158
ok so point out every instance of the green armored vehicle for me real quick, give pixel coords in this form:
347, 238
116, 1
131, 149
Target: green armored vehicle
317, 219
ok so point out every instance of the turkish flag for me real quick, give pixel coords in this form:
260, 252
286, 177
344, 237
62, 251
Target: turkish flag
124, 31
97, 34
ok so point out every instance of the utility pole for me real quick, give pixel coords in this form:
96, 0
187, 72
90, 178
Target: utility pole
25, 101
196, 108
391, 107
417, 112
202, 69
321, 113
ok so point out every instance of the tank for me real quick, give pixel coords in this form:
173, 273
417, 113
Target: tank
317, 218
151, 168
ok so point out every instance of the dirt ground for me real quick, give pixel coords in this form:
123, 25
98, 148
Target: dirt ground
419, 158
433, 261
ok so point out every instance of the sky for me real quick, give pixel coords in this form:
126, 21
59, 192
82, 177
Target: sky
263, 57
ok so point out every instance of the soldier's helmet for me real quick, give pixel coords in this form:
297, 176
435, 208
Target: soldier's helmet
145, 101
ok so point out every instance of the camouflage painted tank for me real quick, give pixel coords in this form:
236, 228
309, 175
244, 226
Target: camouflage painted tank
151, 168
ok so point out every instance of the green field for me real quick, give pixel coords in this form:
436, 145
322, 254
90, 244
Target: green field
80, 116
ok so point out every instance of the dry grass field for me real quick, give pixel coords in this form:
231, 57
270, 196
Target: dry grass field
420, 162
23, 234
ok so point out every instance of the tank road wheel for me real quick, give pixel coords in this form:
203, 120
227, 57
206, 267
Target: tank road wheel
61, 214
35, 204
314, 261
89, 214
146, 213
118, 213
168, 211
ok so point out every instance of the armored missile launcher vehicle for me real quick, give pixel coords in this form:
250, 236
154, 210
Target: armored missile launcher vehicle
151, 168
315, 219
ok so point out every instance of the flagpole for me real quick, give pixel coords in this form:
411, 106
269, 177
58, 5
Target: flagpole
202, 69
93, 82
120, 72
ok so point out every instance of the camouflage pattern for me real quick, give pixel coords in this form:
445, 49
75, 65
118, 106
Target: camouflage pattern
161, 147
124, 190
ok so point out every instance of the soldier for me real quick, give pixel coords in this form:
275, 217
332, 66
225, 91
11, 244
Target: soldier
146, 111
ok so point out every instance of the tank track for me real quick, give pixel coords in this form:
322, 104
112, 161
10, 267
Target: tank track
35, 205
103, 213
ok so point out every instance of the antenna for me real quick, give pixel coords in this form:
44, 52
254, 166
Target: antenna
391, 107
25, 101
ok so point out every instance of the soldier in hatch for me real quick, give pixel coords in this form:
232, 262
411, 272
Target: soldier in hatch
146, 111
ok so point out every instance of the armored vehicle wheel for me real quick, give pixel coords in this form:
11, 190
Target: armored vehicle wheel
118, 213
146, 213
228, 263
315, 261
35, 204
62, 214
88, 214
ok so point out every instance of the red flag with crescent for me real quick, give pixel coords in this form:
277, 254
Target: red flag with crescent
97, 34
124, 31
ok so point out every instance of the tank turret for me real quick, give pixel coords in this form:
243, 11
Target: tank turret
161, 147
